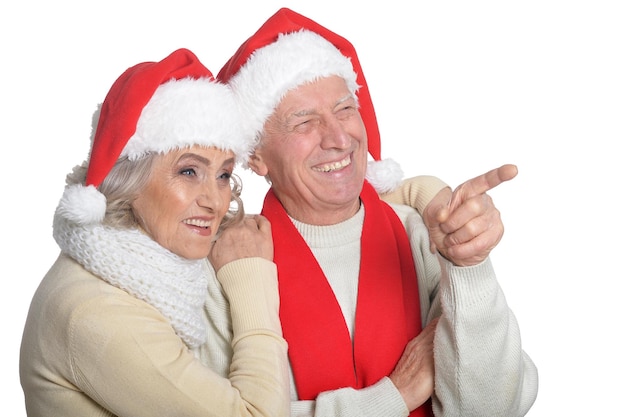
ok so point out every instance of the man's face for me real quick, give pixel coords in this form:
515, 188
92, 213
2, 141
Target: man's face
315, 152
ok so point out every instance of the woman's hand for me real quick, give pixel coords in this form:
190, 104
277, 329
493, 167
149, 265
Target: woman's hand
250, 238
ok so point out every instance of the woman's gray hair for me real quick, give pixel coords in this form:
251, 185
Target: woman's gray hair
128, 178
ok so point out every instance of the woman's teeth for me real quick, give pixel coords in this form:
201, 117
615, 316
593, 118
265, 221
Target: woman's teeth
197, 223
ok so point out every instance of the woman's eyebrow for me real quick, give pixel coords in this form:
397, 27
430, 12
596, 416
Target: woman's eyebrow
200, 159
205, 161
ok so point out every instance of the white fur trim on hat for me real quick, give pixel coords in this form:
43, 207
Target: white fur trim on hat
188, 112
292, 60
82, 205
385, 175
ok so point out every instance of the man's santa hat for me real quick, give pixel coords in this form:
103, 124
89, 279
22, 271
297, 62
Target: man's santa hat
290, 50
156, 107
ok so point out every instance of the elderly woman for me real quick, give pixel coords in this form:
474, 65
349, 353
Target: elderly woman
116, 325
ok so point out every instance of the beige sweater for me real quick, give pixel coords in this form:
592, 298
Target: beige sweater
91, 349
415, 192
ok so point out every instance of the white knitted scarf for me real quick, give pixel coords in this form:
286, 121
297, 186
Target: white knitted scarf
135, 263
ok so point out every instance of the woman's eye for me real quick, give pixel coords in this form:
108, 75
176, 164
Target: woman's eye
188, 171
225, 176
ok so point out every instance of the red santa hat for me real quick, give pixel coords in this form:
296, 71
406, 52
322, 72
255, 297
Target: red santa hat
156, 107
290, 50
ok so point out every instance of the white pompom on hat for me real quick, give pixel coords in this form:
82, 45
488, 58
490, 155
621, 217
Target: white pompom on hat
156, 107
290, 50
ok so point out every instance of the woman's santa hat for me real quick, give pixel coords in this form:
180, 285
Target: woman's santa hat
156, 107
290, 50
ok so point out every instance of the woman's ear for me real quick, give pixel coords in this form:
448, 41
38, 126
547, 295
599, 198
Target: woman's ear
255, 162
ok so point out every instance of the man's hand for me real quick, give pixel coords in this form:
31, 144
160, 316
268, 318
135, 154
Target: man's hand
250, 238
464, 225
414, 375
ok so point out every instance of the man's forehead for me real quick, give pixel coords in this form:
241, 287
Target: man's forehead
305, 98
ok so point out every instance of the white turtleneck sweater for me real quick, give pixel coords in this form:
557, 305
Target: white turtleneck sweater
481, 369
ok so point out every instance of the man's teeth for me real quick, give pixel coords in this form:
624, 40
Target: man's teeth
197, 222
334, 166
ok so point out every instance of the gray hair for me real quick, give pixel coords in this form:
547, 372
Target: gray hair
128, 178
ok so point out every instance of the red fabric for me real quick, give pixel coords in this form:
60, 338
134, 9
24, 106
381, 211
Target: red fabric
286, 21
387, 315
126, 99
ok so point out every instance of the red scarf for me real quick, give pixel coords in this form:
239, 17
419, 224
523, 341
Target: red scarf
387, 315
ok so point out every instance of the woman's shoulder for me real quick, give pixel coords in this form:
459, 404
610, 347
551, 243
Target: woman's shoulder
72, 295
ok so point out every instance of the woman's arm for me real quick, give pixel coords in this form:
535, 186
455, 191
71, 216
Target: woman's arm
416, 192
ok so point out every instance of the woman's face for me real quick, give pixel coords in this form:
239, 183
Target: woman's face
186, 197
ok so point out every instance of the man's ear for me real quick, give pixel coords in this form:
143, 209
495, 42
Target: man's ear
256, 163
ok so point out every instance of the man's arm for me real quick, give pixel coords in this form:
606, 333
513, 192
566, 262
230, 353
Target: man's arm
480, 367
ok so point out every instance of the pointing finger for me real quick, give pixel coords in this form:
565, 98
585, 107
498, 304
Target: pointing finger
482, 183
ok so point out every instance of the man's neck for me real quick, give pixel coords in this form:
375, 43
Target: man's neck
325, 217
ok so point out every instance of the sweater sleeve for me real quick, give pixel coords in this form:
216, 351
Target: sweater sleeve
380, 399
480, 367
415, 192
122, 339
259, 366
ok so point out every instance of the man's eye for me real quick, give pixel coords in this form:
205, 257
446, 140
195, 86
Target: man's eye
305, 125
304, 122
346, 112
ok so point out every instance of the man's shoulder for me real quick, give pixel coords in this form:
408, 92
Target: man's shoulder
406, 213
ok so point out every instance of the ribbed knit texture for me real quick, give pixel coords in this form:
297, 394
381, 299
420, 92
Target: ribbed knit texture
416, 192
334, 248
135, 263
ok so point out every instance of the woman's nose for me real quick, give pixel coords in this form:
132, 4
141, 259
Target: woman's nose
210, 198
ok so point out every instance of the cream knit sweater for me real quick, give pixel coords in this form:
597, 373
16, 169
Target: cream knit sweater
110, 333
481, 369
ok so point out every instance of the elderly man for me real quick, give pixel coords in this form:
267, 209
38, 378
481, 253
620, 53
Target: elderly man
377, 323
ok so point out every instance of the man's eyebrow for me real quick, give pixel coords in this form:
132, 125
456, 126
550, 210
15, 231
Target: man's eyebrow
300, 113
306, 112
345, 98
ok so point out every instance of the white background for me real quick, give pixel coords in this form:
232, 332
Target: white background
460, 87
